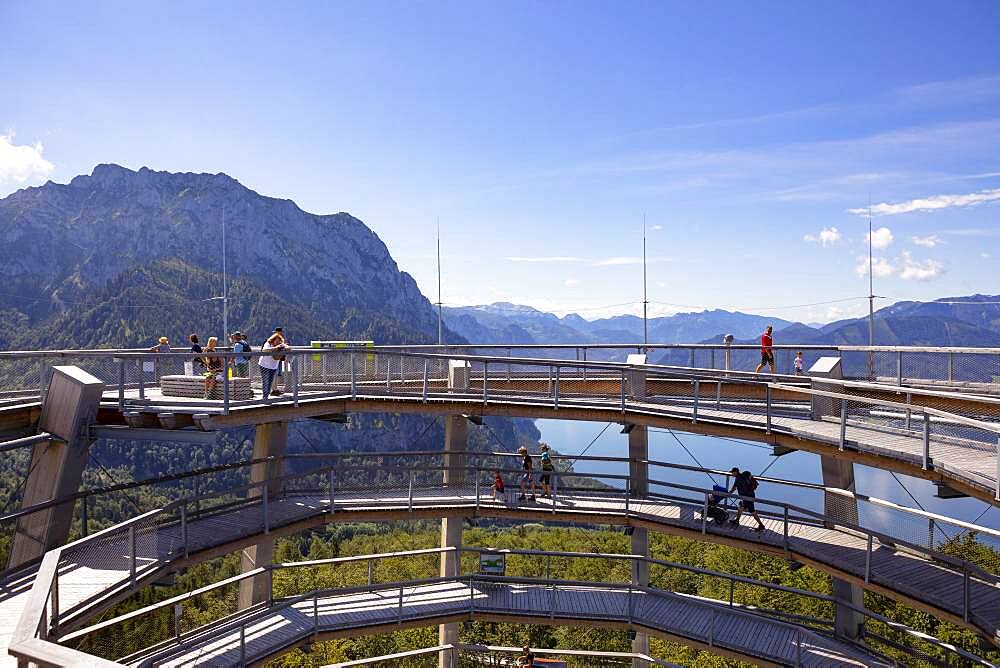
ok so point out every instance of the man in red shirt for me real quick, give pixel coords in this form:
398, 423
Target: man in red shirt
766, 353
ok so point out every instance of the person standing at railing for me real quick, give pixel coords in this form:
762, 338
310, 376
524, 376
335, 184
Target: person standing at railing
766, 351
162, 346
198, 363
527, 658
497, 486
799, 364
527, 473
547, 469
241, 365
215, 367
746, 486
269, 363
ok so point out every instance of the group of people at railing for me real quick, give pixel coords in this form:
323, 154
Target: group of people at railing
214, 369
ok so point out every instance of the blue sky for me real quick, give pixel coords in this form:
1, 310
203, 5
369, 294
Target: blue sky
541, 133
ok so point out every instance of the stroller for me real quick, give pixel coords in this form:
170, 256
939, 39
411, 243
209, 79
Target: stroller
717, 503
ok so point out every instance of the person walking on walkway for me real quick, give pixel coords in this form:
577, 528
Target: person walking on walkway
746, 486
547, 469
497, 486
766, 350
269, 363
527, 473
799, 364
527, 658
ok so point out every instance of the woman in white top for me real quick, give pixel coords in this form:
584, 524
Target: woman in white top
269, 363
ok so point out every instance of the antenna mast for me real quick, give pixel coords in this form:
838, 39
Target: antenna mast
440, 328
871, 294
645, 300
225, 281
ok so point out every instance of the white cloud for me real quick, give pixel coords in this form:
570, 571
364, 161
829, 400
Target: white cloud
912, 270
929, 241
617, 261
22, 163
655, 228
571, 282
985, 255
931, 203
826, 237
880, 238
904, 266
881, 267
550, 258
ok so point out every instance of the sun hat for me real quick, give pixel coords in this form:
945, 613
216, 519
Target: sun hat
163, 339
522, 449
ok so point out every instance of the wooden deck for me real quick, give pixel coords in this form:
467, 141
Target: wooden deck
727, 630
102, 571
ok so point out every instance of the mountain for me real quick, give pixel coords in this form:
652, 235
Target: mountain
121, 256
503, 322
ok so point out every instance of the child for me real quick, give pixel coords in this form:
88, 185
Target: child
497, 486
547, 469
798, 363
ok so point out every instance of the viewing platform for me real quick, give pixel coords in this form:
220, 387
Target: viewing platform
943, 427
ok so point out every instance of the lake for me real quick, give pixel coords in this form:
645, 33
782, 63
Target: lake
569, 437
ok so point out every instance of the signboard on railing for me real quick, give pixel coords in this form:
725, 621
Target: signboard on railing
492, 564
344, 345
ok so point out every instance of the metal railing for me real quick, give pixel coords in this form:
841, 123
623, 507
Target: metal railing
155, 539
241, 621
483, 653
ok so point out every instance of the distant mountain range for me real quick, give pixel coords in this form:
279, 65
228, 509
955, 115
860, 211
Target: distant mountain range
973, 322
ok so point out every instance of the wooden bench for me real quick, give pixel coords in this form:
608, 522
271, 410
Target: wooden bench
194, 387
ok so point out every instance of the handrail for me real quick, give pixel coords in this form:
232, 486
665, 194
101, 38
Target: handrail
464, 647
519, 580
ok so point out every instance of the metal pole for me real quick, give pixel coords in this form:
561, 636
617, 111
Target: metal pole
409, 503
83, 516
927, 441
768, 409
966, 593
330, 475
704, 516
54, 594
694, 413
843, 423
243, 645
296, 379
785, 525
645, 298
555, 392
184, 529
623, 392
732, 590
868, 560
142, 380
225, 386
121, 384
265, 506
425, 382
354, 379
486, 373
899, 367
131, 555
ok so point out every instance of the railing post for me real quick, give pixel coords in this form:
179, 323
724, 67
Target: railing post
951, 366
409, 502
691, 360
909, 400
843, 423
718, 395
477, 489
388, 376
623, 391
997, 496
555, 391
270, 585
400, 604
508, 366
296, 378
131, 555
868, 560
225, 385
966, 593
371, 573
768, 428
121, 384
424, 392
54, 594
711, 629
243, 645
704, 516
84, 524
354, 377
584, 368
712, 357
899, 367
178, 615
266, 508
732, 590
184, 529
330, 475
142, 380
798, 646
486, 373
315, 615
785, 528
694, 412
927, 441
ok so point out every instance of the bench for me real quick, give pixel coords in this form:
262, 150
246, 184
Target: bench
194, 387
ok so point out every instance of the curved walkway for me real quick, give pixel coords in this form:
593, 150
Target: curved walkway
92, 579
258, 635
